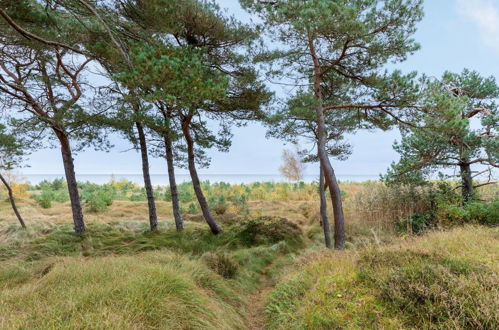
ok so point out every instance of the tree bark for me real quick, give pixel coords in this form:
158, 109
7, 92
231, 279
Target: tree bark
153, 217
74, 195
13, 202
467, 182
215, 229
334, 189
324, 218
179, 222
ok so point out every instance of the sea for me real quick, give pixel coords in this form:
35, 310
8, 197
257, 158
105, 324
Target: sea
162, 179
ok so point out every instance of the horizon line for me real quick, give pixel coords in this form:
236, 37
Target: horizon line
166, 174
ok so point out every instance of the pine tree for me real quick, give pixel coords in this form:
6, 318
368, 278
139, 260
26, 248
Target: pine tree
459, 123
350, 39
42, 68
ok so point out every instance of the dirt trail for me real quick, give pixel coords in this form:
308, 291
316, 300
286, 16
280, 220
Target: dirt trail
256, 302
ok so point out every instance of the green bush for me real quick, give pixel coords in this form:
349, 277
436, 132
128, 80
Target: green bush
221, 264
138, 197
98, 201
473, 212
193, 209
45, 199
417, 223
270, 230
97, 198
218, 204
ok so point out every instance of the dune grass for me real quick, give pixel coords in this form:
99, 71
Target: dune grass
50, 278
445, 280
152, 290
120, 275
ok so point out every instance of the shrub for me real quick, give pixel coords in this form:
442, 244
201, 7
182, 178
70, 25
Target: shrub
218, 204
417, 223
193, 209
473, 212
270, 230
138, 197
484, 213
45, 199
221, 264
98, 202
98, 198
444, 294
58, 184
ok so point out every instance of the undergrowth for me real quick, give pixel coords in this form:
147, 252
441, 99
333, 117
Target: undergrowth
445, 280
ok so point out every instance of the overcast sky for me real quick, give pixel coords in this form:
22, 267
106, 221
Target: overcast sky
454, 34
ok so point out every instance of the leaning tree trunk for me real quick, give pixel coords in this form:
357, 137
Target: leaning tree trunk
467, 182
179, 222
215, 229
69, 169
13, 202
334, 189
153, 218
324, 218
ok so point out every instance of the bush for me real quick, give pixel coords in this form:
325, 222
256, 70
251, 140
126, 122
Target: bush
45, 199
449, 294
193, 209
138, 197
473, 212
417, 223
98, 201
270, 230
221, 264
97, 198
218, 204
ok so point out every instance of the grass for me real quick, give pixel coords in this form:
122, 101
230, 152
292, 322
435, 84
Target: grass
50, 278
153, 290
120, 275
445, 280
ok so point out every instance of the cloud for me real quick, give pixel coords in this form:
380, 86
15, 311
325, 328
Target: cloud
485, 14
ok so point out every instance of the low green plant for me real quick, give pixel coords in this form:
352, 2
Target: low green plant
474, 212
193, 208
271, 230
45, 198
221, 263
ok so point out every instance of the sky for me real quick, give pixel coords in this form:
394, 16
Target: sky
455, 34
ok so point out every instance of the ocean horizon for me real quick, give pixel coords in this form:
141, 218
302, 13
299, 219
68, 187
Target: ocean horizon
162, 179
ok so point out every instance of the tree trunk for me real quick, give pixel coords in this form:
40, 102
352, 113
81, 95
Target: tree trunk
334, 189
467, 182
13, 202
153, 218
179, 222
215, 229
324, 218
74, 195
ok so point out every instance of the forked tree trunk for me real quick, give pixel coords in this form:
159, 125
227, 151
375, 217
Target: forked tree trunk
215, 229
153, 218
467, 182
324, 218
334, 189
13, 202
74, 195
179, 222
